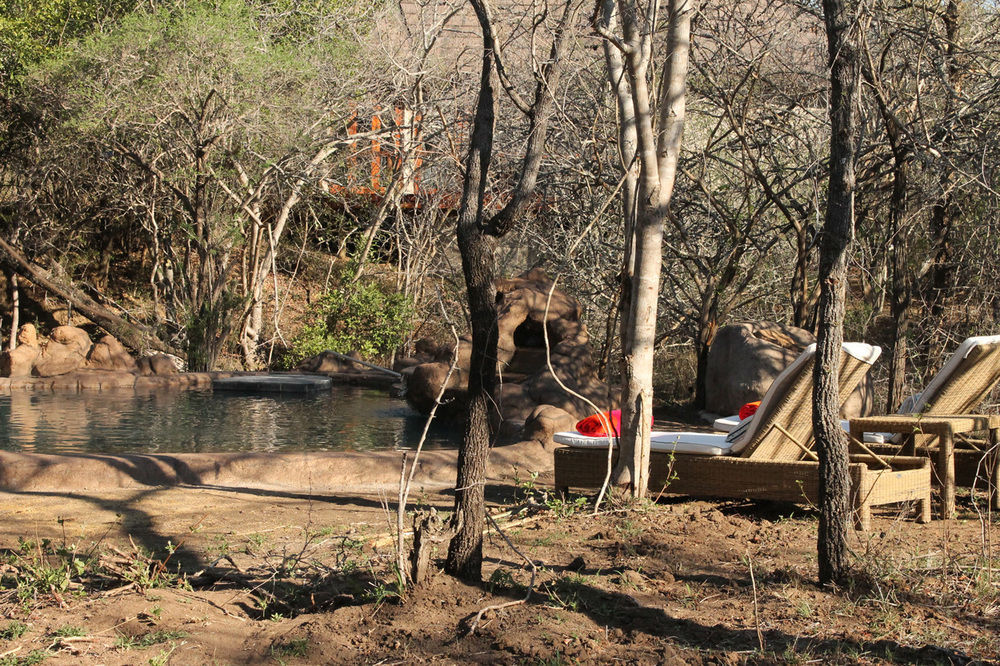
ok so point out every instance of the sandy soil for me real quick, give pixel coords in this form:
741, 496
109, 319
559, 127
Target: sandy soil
273, 577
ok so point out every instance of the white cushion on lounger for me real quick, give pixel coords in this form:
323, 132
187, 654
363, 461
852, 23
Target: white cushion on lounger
698, 443
863, 351
712, 444
728, 423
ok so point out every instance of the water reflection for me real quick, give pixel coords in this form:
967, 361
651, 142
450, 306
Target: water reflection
344, 419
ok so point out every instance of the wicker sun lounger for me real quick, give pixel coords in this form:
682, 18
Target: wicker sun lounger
771, 459
963, 382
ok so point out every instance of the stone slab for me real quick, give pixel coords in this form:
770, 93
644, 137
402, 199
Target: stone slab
283, 383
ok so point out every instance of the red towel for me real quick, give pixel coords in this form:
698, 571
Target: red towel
749, 409
594, 425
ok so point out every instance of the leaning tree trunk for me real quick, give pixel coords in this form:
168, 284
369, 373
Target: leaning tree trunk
831, 442
130, 334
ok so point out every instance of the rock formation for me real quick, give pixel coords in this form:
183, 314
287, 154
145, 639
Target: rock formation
65, 352
527, 315
745, 358
68, 350
109, 354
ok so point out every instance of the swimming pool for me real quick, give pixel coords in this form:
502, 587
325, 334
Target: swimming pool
341, 419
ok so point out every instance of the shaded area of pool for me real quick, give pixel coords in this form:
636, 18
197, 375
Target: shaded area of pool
343, 419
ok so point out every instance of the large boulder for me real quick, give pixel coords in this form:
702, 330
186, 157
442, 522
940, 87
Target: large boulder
545, 421
330, 362
65, 352
20, 361
746, 357
76, 339
423, 385
109, 354
57, 359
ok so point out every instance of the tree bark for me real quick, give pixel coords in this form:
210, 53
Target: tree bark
899, 297
942, 213
899, 283
838, 230
627, 146
136, 336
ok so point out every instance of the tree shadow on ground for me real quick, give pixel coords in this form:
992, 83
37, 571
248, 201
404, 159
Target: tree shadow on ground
616, 610
136, 523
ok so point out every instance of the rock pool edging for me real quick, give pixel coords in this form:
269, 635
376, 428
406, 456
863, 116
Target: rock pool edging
100, 380
306, 472
95, 380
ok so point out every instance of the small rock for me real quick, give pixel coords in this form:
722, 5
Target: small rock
578, 564
631, 579
27, 335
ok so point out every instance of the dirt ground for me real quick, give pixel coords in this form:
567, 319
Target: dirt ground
225, 576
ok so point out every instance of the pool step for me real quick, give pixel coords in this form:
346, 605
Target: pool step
278, 383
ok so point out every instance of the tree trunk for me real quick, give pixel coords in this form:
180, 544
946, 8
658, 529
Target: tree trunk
799, 289
627, 146
941, 223
477, 244
899, 297
15, 310
465, 552
838, 229
708, 326
658, 153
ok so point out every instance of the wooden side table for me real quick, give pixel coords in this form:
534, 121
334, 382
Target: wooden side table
945, 427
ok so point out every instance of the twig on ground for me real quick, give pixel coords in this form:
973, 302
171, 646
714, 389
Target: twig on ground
471, 628
756, 610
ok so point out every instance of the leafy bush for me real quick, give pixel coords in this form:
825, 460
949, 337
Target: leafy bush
367, 317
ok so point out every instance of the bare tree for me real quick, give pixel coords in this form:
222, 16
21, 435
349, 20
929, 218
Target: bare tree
659, 128
478, 234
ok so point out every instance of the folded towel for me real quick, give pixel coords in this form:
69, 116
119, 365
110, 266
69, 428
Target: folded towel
749, 409
595, 425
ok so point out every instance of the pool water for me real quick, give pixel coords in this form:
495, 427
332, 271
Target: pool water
343, 419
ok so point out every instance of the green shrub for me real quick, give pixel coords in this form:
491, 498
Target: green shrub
367, 317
